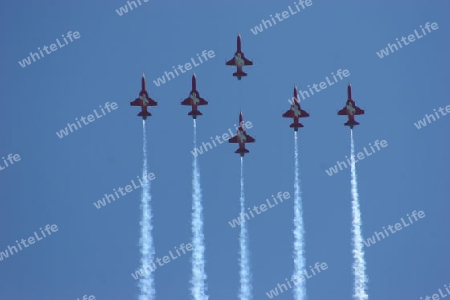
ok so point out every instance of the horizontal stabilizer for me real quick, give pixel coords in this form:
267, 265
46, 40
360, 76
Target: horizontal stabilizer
241, 150
195, 113
350, 123
242, 74
146, 113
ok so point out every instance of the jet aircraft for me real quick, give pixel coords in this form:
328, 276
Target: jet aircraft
239, 61
295, 112
241, 137
194, 99
143, 101
350, 109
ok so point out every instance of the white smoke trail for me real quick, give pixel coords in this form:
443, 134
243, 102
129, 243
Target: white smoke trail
359, 264
198, 288
146, 284
246, 287
299, 254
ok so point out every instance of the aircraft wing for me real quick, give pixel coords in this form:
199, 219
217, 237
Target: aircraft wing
202, 102
303, 114
231, 62
249, 139
234, 139
358, 111
343, 111
289, 114
247, 62
137, 102
151, 102
187, 101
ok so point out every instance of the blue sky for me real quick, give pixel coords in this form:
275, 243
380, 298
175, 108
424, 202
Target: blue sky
95, 251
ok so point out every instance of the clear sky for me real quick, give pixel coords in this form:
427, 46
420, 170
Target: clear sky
94, 251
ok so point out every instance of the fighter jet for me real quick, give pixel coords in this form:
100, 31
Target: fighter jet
194, 100
350, 109
295, 112
239, 60
143, 101
241, 137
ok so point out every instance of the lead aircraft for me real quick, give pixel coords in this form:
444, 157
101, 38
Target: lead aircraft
239, 61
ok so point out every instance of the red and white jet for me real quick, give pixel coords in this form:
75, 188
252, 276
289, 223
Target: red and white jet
143, 101
241, 137
350, 109
239, 60
296, 112
194, 100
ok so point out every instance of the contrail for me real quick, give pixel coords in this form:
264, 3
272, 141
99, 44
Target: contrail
359, 265
246, 287
198, 288
299, 252
146, 284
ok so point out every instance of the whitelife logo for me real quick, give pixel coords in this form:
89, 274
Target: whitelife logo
423, 122
296, 280
123, 10
284, 15
323, 85
162, 80
27, 61
335, 170
10, 158
241, 219
165, 260
411, 38
398, 227
65, 132
49, 229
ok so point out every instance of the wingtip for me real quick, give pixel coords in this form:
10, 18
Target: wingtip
143, 75
349, 84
